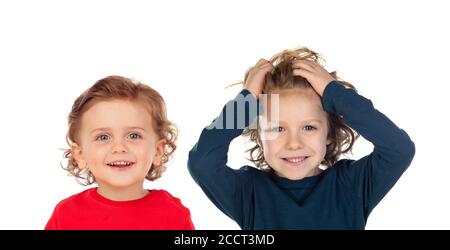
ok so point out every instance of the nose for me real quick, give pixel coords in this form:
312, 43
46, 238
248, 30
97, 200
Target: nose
119, 147
294, 141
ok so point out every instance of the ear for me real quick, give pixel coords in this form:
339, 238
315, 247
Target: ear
328, 142
77, 154
159, 153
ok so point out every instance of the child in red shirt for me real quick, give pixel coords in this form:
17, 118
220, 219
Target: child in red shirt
119, 135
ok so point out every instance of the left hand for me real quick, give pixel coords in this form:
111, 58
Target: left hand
314, 73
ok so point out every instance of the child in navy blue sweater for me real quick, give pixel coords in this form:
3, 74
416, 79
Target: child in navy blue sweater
299, 181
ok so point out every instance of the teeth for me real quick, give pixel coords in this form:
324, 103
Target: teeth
120, 163
295, 160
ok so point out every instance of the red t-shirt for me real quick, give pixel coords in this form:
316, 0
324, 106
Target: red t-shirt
89, 210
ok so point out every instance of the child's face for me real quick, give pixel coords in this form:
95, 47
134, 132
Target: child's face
295, 148
118, 143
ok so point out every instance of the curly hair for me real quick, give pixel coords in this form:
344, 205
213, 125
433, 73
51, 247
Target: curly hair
341, 136
118, 87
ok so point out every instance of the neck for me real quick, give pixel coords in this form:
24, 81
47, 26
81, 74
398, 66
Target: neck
122, 193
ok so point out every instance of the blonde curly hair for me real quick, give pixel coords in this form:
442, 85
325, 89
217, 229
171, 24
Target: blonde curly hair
118, 87
342, 136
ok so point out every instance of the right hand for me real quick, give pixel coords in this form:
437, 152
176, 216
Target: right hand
256, 75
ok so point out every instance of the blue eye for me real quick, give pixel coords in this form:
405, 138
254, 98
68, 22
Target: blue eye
102, 137
278, 129
134, 136
309, 128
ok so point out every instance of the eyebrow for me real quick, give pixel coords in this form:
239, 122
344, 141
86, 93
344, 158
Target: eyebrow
107, 129
305, 121
313, 120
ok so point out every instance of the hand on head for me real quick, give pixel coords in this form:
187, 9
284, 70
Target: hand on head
315, 74
255, 77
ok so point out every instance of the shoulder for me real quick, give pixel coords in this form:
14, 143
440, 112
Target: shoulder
251, 174
74, 201
169, 202
343, 163
348, 172
340, 167
251, 171
251, 177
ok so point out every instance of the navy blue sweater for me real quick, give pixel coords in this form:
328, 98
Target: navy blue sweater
341, 197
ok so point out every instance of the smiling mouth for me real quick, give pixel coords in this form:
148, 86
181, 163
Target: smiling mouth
120, 164
295, 161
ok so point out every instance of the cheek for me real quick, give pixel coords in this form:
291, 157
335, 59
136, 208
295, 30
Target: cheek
271, 147
320, 144
95, 153
144, 150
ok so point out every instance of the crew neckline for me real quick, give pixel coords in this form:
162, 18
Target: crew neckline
96, 196
306, 182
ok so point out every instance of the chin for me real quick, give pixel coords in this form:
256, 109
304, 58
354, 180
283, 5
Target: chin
118, 185
296, 178
121, 183
292, 177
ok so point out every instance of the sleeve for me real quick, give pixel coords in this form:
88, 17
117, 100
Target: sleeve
207, 163
375, 174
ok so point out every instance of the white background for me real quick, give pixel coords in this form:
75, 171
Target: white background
395, 52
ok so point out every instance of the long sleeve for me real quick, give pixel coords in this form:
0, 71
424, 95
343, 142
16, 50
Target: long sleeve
375, 174
207, 163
